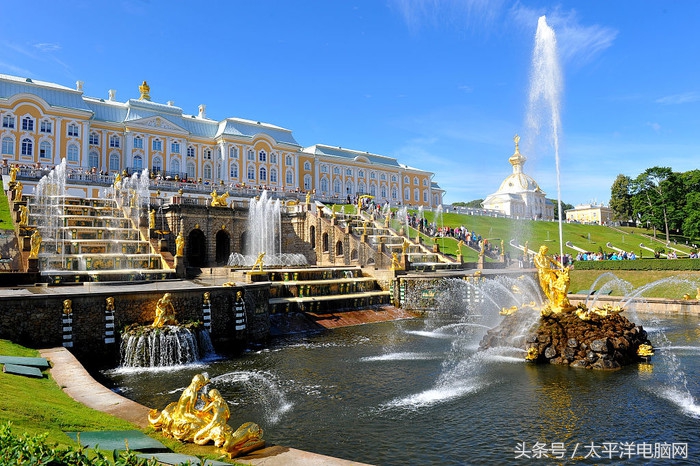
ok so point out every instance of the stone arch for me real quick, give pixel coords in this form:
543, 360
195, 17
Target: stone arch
353, 255
223, 246
312, 236
196, 250
339, 249
325, 242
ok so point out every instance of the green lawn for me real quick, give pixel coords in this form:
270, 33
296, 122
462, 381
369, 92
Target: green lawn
5, 214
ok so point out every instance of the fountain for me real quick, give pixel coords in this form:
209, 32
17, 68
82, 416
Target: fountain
165, 342
92, 239
264, 235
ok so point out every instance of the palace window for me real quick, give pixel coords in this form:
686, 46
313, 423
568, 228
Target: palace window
262, 156
27, 124
233, 152
415, 180
27, 147
8, 121
406, 180
46, 127
73, 130
114, 163
383, 191
425, 182
307, 165
372, 176
45, 150
73, 153
115, 141
273, 157
393, 178
307, 182
94, 139
93, 159
273, 176
190, 152
289, 177
336, 171
425, 196
207, 171
394, 194
360, 173
207, 154
416, 195
175, 147
175, 166
8, 146
157, 145
191, 170
324, 168
289, 160
138, 163
373, 190
407, 194
382, 177
348, 171
263, 174
324, 185
251, 173
233, 172
138, 142
157, 165
251, 155
336, 186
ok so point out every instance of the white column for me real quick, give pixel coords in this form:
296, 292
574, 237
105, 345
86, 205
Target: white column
57, 149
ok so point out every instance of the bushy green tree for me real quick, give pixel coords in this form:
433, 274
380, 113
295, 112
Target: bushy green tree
655, 194
621, 199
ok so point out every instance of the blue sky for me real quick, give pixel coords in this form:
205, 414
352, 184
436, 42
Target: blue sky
440, 85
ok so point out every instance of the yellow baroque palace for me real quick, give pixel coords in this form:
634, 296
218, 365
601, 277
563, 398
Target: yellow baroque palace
44, 122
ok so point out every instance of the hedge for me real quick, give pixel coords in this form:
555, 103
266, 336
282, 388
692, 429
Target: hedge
640, 264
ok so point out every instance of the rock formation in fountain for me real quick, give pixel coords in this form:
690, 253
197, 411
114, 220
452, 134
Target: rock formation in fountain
165, 342
597, 338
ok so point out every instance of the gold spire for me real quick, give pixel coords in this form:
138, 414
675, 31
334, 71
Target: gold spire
145, 90
516, 139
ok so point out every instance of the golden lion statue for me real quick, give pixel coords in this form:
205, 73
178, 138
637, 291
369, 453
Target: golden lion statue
219, 201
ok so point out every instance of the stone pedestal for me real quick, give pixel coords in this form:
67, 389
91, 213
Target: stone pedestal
180, 266
460, 258
436, 248
480, 262
33, 265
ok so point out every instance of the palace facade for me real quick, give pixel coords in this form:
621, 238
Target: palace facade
43, 123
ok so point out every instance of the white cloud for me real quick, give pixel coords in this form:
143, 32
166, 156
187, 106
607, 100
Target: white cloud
677, 99
47, 47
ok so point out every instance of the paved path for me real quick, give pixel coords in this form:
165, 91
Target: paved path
72, 377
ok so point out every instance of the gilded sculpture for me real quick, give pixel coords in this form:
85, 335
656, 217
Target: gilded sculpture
35, 244
183, 421
554, 281
219, 200
145, 91
259, 262
18, 191
152, 219
180, 245
395, 264
165, 312
109, 306
23, 215
13, 173
67, 307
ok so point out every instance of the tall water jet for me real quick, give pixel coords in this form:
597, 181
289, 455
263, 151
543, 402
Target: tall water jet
544, 101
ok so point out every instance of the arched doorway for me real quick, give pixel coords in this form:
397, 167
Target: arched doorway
312, 236
325, 242
196, 249
223, 247
339, 249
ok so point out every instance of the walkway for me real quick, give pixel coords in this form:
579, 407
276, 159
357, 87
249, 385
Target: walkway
72, 377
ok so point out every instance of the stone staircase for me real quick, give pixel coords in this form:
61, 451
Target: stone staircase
323, 290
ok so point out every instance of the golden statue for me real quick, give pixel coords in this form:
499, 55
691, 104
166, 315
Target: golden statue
145, 91
259, 262
35, 244
13, 173
554, 281
219, 201
395, 264
23, 215
333, 212
206, 298
152, 219
165, 312
180, 245
404, 246
364, 227
67, 306
18, 191
308, 197
110, 304
183, 421
460, 244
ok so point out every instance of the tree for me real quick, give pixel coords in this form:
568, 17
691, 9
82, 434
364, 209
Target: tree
621, 199
654, 193
476, 204
564, 208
